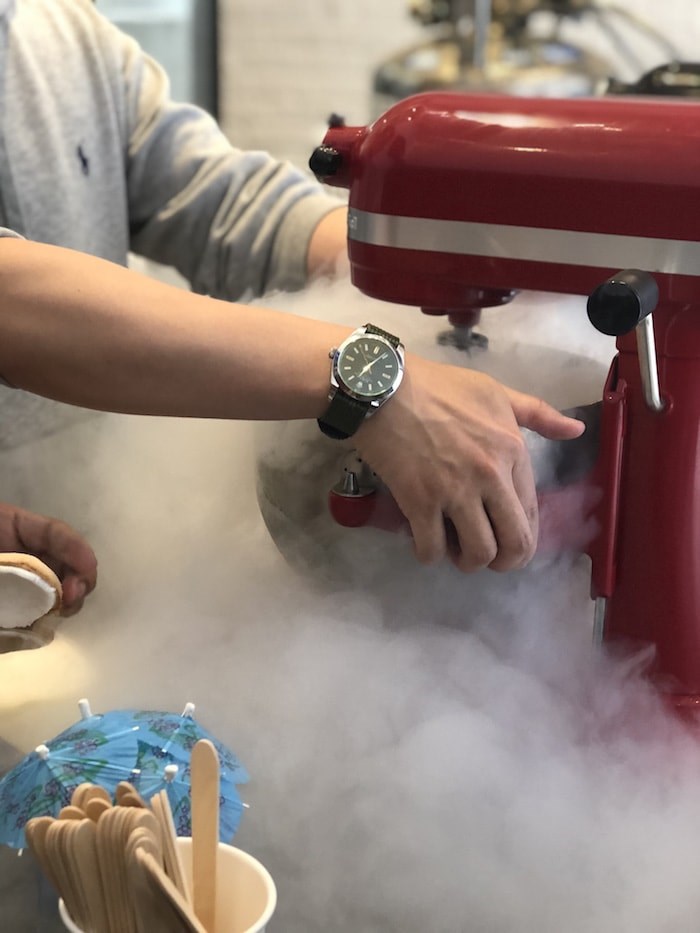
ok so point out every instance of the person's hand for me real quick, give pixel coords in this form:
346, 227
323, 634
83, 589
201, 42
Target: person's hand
57, 545
449, 448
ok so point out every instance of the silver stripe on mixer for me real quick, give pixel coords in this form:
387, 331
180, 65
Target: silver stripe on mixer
527, 244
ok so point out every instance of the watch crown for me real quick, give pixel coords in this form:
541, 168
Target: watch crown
332, 352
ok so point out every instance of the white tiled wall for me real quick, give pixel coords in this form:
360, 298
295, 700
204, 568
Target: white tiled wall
287, 64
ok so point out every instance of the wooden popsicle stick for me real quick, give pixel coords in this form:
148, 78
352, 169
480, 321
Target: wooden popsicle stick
95, 792
181, 878
135, 801
129, 819
102, 883
106, 872
55, 839
138, 818
96, 807
125, 821
128, 796
165, 902
77, 795
142, 838
171, 853
109, 856
83, 841
71, 813
147, 920
204, 771
35, 832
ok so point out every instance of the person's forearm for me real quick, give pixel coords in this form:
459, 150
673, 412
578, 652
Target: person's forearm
88, 332
328, 245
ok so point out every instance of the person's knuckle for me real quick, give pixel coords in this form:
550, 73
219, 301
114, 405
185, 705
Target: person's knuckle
518, 553
513, 446
526, 542
477, 555
487, 468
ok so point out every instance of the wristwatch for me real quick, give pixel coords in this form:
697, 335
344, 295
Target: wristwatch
366, 370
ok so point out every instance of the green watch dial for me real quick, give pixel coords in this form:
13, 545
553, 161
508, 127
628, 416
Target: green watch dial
368, 366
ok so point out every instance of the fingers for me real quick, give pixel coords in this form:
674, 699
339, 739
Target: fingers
429, 537
73, 560
465, 535
498, 532
74, 593
58, 545
473, 541
514, 515
501, 536
536, 414
490, 521
71, 552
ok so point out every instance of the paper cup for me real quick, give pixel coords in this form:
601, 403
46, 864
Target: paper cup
65, 916
246, 895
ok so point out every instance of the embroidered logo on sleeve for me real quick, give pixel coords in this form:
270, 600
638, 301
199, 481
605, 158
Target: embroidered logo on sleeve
84, 161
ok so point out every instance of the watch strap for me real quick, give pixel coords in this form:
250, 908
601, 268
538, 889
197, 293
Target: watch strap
343, 416
378, 332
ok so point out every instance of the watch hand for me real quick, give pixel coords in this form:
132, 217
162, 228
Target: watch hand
362, 352
370, 364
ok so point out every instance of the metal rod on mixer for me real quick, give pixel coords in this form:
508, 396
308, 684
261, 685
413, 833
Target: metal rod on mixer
646, 348
601, 605
482, 25
350, 485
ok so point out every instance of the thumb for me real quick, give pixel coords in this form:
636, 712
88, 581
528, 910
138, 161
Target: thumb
534, 413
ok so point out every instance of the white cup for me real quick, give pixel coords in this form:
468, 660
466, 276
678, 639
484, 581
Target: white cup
246, 895
65, 916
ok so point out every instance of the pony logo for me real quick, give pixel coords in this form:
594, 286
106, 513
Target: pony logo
84, 161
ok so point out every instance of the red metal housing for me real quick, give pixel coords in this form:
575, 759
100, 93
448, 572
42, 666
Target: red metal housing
453, 196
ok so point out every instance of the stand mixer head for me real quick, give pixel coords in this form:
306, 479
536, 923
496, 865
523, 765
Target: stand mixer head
457, 201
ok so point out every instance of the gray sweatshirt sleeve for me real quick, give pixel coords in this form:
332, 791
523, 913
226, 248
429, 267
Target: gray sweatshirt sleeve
232, 222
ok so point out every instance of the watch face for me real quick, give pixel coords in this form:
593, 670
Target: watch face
368, 366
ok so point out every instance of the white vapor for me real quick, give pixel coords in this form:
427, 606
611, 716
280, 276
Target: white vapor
428, 752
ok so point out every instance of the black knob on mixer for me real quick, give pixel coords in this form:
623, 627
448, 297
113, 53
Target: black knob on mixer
325, 161
619, 304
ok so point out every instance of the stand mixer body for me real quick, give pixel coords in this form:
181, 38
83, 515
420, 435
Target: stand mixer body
458, 200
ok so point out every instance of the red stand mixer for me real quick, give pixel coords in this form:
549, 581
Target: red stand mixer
457, 201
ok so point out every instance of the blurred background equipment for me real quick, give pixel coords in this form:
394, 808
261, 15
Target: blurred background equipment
677, 79
514, 47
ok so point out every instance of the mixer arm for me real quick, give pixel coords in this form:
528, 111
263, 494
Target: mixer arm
622, 303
